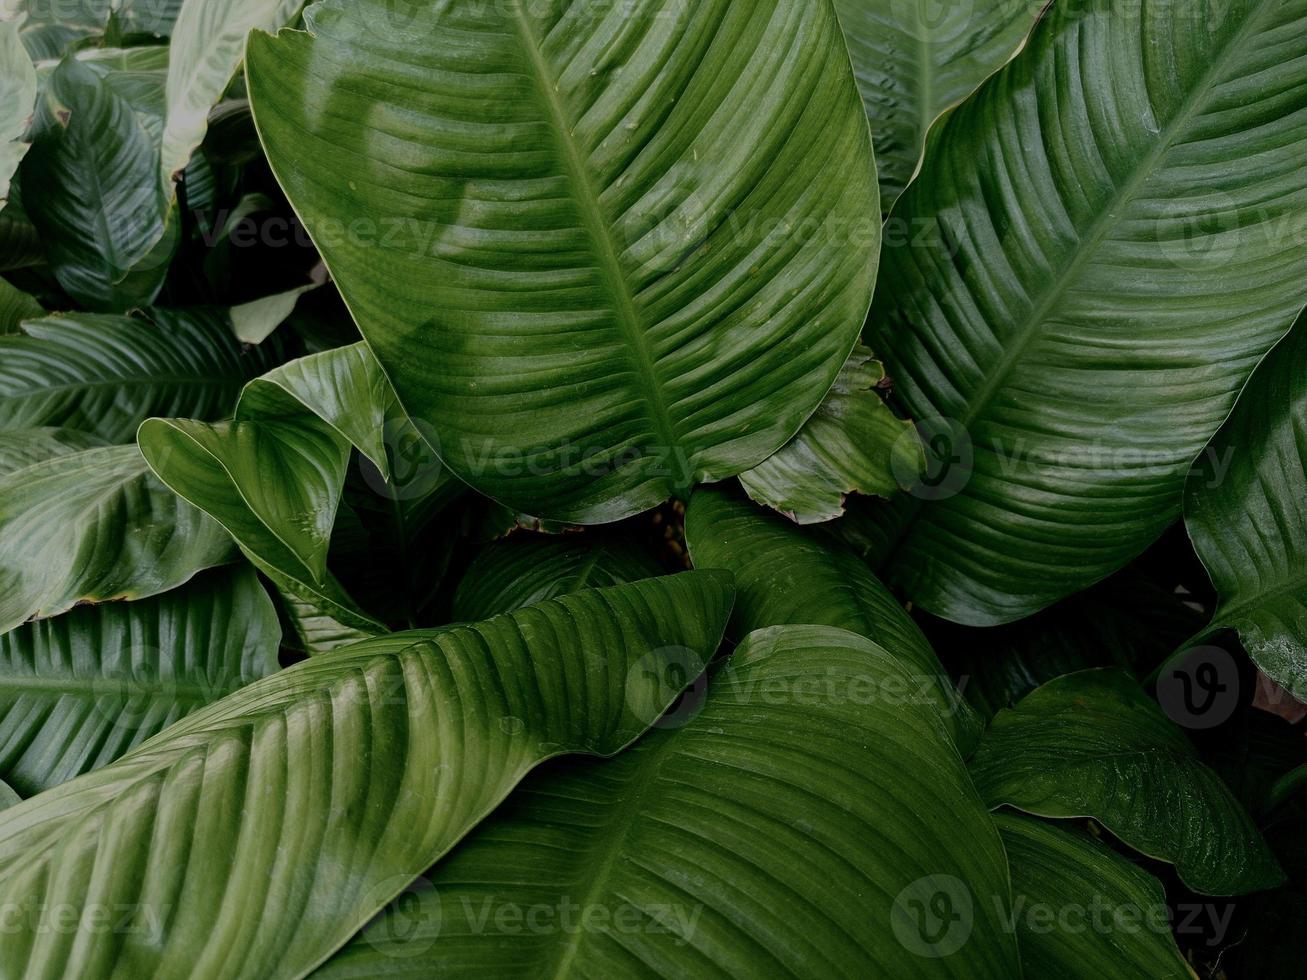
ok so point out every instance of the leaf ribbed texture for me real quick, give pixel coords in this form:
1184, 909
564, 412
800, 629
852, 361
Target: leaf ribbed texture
256, 835
605, 262
1104, 246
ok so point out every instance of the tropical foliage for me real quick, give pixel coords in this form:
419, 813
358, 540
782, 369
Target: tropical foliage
670, 488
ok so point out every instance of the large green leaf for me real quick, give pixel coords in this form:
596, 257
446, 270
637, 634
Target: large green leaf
1082, 912
91, 526
206, 48
92, 188
916, 58
601, 257
255, 836
853, 443
525, 569
1092, 744
1246, 510
1104, 248
17, 101
776, 833
790, 575
106, 374
79, 690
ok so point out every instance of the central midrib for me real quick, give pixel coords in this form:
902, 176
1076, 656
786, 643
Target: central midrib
605, 249
1089, 245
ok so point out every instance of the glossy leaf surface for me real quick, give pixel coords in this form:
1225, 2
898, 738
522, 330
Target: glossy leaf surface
1104, 248
602, 261
262, 796
762, 833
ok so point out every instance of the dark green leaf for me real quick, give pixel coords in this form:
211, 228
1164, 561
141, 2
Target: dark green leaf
1093, 744
1105, 242
79, 690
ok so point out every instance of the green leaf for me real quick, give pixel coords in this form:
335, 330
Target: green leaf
273, 476
525, 569
773, 833
316, 795
106, 374
1103, 248
254, 322
914, 59
791, 575
1083, 912
15, 307
80, 690
20, 242
1093, 744
854, 443
599, 256
8, 797
24, 447
93, 191
206, 48
1128, 622
17, 101
1246, 511
91, 526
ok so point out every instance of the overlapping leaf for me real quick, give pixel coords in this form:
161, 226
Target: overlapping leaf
256, 835
523, 570
274, 475
80, 690
601, 258
106, 374
1104, 246
775, 832
15, 307
17, 102
1093, 744
790, 575
93, 190
853, 443
206, 48
81, 524
1083, 912
916, 58
1246, 510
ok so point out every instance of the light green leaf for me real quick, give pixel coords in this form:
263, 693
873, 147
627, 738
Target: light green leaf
316, 795
205, 52
8, 797
80, 690
600, 257
92, 189
254, 322
17, 101
854, 443
525, 569
1104, 243
916, 58
791, 575
15, 307
773, 833
1083, 912
1246, 510
106, 374
1092, 744
92, 526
